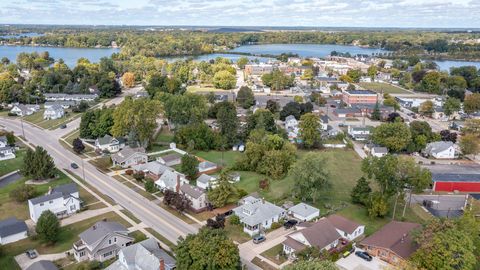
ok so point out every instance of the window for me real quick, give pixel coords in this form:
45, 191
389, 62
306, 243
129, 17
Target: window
107, 254
109, 241
41, 204
115, 239
50, 202
72, 207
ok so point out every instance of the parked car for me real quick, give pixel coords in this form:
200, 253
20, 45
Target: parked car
74, 165
63, 126
31, 253
289, 224
259, 239
364, 255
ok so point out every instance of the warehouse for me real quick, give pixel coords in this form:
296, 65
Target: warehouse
456, 182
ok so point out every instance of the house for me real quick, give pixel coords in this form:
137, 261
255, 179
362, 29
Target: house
145, 255
462, 182
12, 230
239, 147
207, 167
321, 235
304, 212
24, 110
62, 200
53, 112
359, 133
129, 156
257, 215
70, 97
258, 69
206, 181
346, 228
290, 122
440, 150
324, 122
101, 242
170, 160
171, 180
392, 243
379, 151
348, 112
66, 104
197, 196
234, 177
6, 151
109, 143
351, 97
42, 265
152, 169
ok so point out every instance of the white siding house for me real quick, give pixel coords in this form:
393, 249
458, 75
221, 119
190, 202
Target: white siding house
304, 212
12, 230
440, 150
128, 157
63, 201
53, 112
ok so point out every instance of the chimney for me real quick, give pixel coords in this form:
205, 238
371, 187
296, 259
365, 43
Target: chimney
162, 265
403, 237
49, 190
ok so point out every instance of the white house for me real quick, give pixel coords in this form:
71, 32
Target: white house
6, 151
70, 97
359, 133
129, 157
207, 166
145, 255
290, 122
346, 228
206, 181
378, 151
53, 112
24, 110
257, 215
63, 201
197, 196
440, 150
12, 230
101, 242
109, 143
171, 180
304, 212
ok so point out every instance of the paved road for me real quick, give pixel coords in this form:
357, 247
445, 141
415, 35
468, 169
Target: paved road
151, 214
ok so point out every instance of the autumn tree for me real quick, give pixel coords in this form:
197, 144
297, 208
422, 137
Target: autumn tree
427, 108
471, 103
128, 79
224, 80
470, 144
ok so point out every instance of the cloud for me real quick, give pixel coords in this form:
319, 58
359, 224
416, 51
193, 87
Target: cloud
367, 13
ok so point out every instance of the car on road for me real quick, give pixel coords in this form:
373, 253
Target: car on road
31, 253
74, 165
289, 224
364, 255
259, 239
63, 126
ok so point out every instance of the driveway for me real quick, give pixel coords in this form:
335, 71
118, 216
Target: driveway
353, 262
24, 262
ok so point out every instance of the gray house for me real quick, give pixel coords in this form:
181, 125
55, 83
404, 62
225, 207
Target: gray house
12, 230
129, 156
146, 255
101, 242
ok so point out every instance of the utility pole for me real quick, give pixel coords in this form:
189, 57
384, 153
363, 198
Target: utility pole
83, 170
23, 131
395, 206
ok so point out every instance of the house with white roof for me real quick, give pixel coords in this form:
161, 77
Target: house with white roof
145, 255
257, 215
101, 242
129, 157
304, 212
12, 230
152, 169
198, 197
359, 133
171, 180
109, 143
346, 228
207, 167
24, 110
378, 151
62, 200
206, 181
440, 150
53, 112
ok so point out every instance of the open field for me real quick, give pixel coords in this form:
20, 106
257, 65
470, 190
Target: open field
225, 159
203, 88
383, 88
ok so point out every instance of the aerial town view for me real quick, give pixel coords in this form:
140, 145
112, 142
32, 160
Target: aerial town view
235, 135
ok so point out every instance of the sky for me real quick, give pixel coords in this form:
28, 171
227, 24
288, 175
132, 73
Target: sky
340, 13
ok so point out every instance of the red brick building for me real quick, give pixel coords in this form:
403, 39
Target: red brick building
352, 97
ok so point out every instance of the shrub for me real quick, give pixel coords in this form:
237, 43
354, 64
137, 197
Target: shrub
264, 184
139, 176
129, 172
276, 225
22, 193
242, 192
235, 220
150, 186
48, 226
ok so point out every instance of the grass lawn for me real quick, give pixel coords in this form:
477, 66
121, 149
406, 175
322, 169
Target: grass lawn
66, 237
140, 191
263, 265
10, 165
177, 214
236, 233
34, 118
164, 136
229, 157
204, 88
138, 235
272, 253
102, 163
383, 88
130, 215
93, 189
87, 197
161, 238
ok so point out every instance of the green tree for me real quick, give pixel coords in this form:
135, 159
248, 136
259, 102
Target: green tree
78, 146
150, 186
309, 128
262, 119
189, 165
376, 115
38, 164
431, 83
361, 192
451, 105
470, 144
471, 103
10, 138
224, 80
312, 265
184, 109
372, 72
245, 97
208, 249
277, 80
48, 226
242, 61
310, 176
427, 108
223, 192
355, 75
199, 135
378, 205
395, 136
227, 121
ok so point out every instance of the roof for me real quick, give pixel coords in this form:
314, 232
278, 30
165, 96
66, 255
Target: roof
324, 119
395, 236
145, 255
192, 191
42, 265
11, 226
3, 139
46, 198
153, 167
205, 178
255, 211
57, 192
304, 209
321, 234
380, 150
170, 157
454, 177
290, 117
206, 164
55, 108
437, 147
105, 139
169, 179
361, 92
100, 229
347, 110
343, 224
126, 153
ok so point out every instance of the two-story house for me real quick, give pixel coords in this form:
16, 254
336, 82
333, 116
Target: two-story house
109, 143
53, 112
6, 151
62, 200
348, 229
197, 196
171, 180
101, 242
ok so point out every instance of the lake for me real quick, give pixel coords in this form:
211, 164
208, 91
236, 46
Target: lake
69, 55
212, 56
445, 65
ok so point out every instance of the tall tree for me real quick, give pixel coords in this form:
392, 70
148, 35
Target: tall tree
189, 165
310, 130
228, 121
451, 106
426, 108
395, 136
310, 176
361, 192
223, 192
48, 226
471, 103
245, 97
38, 164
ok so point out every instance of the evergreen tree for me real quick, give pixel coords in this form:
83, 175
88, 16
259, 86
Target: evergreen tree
376, 112
48, 226
361, 191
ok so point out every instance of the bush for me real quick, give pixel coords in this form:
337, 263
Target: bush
234, 220
22, 193
264, 184
139, 176
150, 186
11, 114
276, 225
129, 172
242, 192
